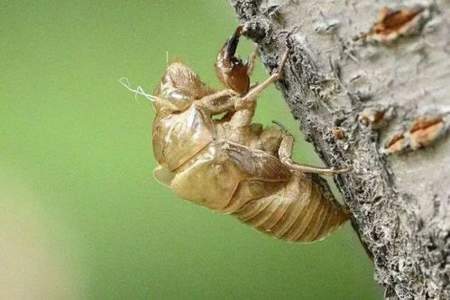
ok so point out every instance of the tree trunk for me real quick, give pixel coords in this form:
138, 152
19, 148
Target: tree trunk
369, 82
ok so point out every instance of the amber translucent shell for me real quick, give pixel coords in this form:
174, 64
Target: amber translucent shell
199, 161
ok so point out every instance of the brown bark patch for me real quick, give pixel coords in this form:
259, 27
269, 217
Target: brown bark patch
424, 131
396, 143
392, 23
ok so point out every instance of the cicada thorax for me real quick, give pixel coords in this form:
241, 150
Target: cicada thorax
305, 211
177, 138
180, 130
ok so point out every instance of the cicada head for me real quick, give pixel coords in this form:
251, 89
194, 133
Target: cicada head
231, 70
178, 88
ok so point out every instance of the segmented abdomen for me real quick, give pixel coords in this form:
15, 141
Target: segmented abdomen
305, 210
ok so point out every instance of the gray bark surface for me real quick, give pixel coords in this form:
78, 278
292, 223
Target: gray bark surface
353, 93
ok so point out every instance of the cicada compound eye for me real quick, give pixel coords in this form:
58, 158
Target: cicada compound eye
231, 70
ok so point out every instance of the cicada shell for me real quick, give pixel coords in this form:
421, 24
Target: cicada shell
231, 165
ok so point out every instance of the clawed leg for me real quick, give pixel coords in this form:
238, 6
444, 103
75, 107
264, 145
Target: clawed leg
285, 153
251, 62
253, 93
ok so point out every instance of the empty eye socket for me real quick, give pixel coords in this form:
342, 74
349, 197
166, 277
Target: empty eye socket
176, 95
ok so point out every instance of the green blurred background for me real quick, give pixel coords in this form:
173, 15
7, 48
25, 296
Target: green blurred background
81, 216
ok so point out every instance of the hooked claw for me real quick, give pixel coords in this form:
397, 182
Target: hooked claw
230, 69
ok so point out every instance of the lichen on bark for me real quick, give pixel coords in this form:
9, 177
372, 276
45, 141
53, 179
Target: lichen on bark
369, 82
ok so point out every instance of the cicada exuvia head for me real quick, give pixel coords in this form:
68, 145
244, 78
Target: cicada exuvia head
178, 88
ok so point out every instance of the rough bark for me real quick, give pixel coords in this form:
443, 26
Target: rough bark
374, 93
